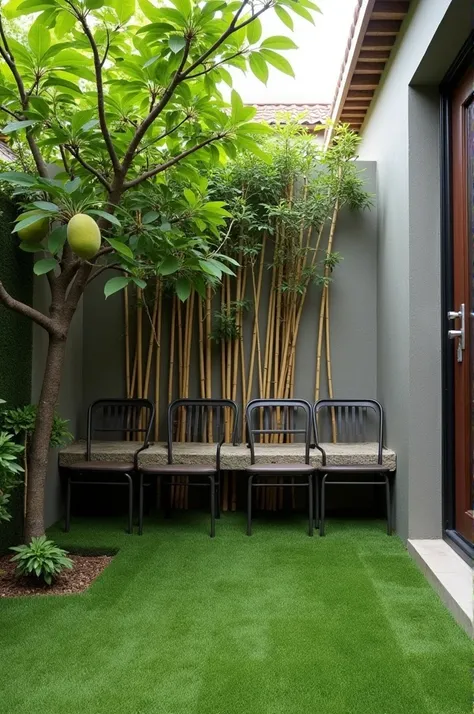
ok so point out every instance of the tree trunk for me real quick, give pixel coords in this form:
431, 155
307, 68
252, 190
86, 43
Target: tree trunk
39, 451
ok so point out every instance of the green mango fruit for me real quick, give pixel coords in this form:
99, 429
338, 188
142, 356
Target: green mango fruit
83, 235
35, 232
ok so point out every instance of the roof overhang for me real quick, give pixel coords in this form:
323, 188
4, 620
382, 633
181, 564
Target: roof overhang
374, 32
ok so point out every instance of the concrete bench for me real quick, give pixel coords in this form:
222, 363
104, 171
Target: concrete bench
233, 458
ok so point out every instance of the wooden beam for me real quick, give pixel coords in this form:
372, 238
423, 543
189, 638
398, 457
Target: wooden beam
348, 108
383, 28
390, 10
370, 67
377, 43
374, 55
360, 94
365, 81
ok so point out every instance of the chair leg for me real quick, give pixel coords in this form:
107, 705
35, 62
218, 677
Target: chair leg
67, 520
316, 500
213, 505
218, 496
140, 506
249, 505
310, 506
389, 505
323, 505
130, 502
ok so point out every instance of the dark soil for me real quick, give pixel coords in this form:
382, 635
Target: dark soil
85, 571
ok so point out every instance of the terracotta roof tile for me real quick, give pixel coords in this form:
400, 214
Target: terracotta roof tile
315, 113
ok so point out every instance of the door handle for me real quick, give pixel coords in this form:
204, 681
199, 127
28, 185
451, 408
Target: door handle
461, 333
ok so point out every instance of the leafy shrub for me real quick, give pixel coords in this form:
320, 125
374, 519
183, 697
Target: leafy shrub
9, 470
21, 421
41, 558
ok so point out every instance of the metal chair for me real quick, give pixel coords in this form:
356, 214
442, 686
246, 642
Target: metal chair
279, 416
202, 420
353, 420
117, 419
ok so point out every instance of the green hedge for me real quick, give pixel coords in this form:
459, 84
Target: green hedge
15, 344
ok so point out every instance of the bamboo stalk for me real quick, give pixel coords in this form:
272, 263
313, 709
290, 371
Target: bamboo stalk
242, 361
209, 357
256, 329
172, 350
139, 343
202, 372
158, 362
127, 341
151, 341
329, 369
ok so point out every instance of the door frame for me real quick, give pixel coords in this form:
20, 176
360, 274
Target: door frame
463, 61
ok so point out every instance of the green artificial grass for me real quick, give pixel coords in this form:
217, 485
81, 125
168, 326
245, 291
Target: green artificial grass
278, 623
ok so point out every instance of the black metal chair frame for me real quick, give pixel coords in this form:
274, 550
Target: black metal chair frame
352, 407
285, 404
206, 406
119, 404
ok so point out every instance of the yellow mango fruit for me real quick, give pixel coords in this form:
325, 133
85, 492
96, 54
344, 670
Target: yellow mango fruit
35, 232
83, 235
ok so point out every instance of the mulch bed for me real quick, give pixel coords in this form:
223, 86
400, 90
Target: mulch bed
85, 571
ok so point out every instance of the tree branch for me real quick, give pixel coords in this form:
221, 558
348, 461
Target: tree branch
162, 167
217, 64
88, 167
164, 135
26, 310
156, 111
8, 111
100, 93
7, 55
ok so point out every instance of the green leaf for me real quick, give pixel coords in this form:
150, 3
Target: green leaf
71, 186
56, 239
150, 11
107, 216
183, 6
300, 10
259, 67
63, 83
19, 179
44, 266
124, 9
139, 282
176, 43
114, 285
169, 266
29, 221
120, 247
278, 61
65, 21
238, 109
28, 247
190, 197
254, 127
284, 16
39, 38
17, 125
210, 268
150, 217
151, 61
46, 206
246, 143
254, 31
279, 42
183, 289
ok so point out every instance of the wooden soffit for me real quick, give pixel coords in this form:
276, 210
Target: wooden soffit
374, 31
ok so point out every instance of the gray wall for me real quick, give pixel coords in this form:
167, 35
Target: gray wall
70, 398
401, 134
353, 316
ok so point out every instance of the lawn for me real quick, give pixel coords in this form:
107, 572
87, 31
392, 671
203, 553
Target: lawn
278, 623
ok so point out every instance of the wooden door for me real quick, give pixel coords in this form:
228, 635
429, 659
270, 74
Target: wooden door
462, 107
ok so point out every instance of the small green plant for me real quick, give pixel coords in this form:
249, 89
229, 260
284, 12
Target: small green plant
21, 421
41, 559
10, 468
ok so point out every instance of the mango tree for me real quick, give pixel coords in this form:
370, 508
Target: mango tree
116, 114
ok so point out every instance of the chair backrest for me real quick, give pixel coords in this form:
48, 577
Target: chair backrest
201, 420
115, 419
283, 417
355, 421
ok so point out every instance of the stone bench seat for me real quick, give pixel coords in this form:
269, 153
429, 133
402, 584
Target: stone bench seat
233, 458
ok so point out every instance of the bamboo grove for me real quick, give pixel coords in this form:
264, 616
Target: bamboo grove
238, 338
